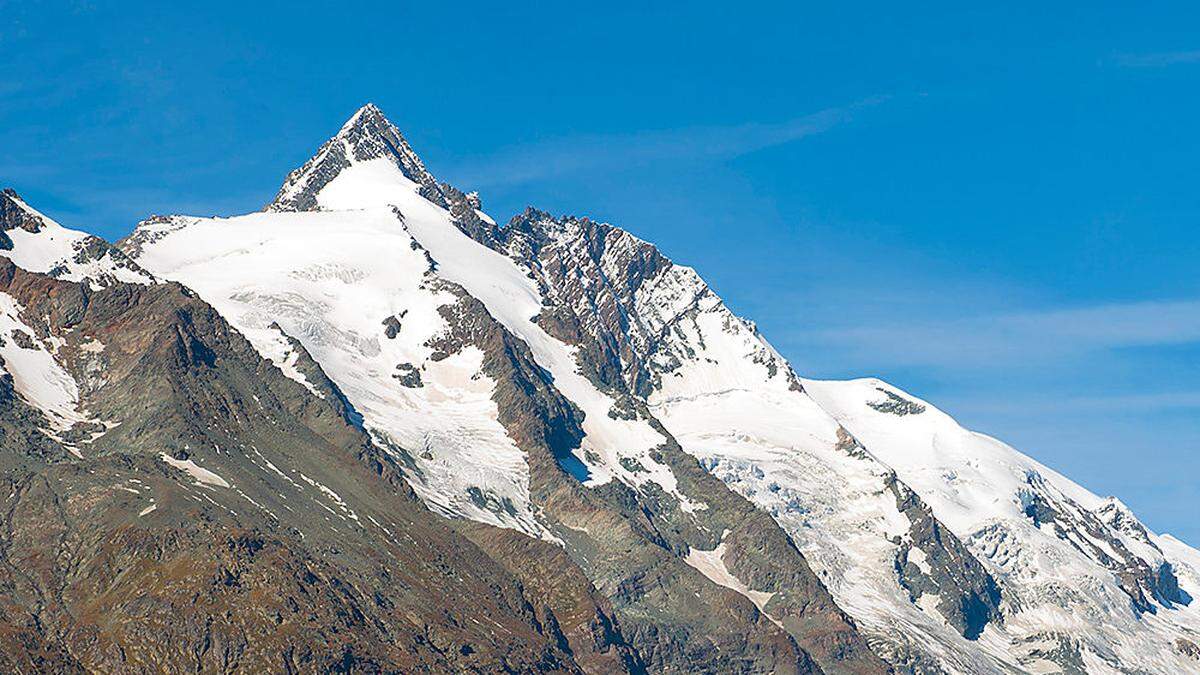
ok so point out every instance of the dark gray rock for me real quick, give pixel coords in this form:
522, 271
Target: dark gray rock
368, 135
391, 327
895, 404
13, 215
969, 596
408, 375
309, 553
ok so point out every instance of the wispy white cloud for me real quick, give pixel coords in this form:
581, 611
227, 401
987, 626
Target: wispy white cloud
1004, 340
1157, 59
599, 152
1136, 403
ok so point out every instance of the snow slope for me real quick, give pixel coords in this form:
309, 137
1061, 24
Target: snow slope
1056, 545
331, 278
944, 557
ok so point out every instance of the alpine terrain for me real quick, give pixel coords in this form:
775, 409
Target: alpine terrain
370, 429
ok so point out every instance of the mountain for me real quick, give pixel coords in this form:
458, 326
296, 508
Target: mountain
428, 334
370, 429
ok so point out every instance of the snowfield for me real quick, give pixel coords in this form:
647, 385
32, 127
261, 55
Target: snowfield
331, 278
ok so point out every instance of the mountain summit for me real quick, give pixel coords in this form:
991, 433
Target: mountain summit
368, 138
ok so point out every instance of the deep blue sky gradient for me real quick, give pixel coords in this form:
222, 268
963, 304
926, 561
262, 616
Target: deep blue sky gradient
992, 208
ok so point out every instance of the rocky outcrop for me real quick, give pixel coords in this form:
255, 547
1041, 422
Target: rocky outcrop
1148, 585
895, 404
366, 136
968, 597
574, 611
622, 303
1188, 648
14, 214
475, 400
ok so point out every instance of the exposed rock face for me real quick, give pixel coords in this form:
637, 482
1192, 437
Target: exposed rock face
968, 596
54, 250
94, 253
636, 319
391, 327
897, 405
564, 597
1188, 648
626, 540
614, 296
13, 214
632, 538
639, 322
408, 375
1147, 585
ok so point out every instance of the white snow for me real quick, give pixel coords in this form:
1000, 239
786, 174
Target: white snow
39, 379
917, 557
198, 473
335, 497
779, 448
279, 351
712, 565
330, 278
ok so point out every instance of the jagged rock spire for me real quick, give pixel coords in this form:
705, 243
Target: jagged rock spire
367, 135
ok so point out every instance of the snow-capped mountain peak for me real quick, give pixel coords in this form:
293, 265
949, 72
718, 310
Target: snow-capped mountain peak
375, 154
368, 164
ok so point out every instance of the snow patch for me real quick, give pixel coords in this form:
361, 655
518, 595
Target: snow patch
197, 472
37, 376
712, 565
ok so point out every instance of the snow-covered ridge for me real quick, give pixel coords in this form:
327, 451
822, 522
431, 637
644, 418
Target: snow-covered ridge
330, 280
37, 243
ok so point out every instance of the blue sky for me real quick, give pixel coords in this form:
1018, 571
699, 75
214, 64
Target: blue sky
992, 208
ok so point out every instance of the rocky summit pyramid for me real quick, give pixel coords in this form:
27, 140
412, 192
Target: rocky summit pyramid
368, 429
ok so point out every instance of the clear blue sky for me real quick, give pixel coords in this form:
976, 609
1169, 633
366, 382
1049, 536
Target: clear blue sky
993, 208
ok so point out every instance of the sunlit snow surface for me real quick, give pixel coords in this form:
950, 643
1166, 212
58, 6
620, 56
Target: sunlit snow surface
330, 278
780, 448
979, 487
198, 473
712, 565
